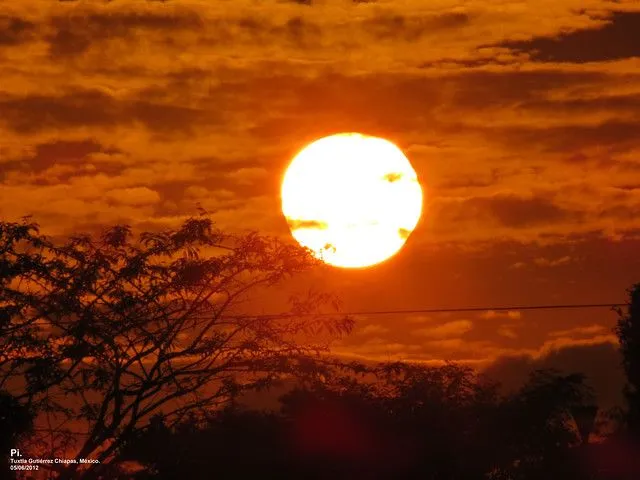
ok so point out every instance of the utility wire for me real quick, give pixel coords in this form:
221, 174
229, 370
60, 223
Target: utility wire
483, 309
413, 311
437, 310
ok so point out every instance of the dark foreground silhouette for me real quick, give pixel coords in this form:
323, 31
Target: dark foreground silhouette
413, 423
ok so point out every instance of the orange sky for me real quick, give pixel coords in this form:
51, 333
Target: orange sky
522, 120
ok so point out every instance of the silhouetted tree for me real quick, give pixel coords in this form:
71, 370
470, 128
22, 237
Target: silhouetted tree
388, 421
229, 444
535, 426
112, 330
15, 420
628, 331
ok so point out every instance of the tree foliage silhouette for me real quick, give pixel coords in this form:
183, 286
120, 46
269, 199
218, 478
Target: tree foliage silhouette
388, 421
15, 421
111, 330
628, 331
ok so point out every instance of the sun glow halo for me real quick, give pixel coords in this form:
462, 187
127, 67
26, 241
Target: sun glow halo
352, 199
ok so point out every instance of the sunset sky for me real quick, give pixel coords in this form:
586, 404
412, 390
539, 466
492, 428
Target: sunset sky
521, 119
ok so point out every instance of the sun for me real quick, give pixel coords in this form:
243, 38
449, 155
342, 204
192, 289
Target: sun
352, 199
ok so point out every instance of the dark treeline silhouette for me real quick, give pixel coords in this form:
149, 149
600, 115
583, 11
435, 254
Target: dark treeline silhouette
628, 330
409, 422
137, 351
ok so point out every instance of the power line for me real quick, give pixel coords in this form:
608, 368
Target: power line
414, 311
482, 309
436, 310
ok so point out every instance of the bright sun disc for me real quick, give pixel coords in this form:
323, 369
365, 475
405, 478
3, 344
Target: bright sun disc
352, 199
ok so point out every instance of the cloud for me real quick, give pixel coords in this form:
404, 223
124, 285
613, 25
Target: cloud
545, 262
510, 314
393, 177
378, 346
600, 362
58, 160
616, 38
134, 196
614, 135
14, 30
506, 331
404, 233
296, 224
515, 211
63, 151
74, 33
556, 262
418, 319
499, 213
560, 342
449, 329
91, 107
34, 112
410, 28
372, 329
248, 175
581, 330
446, 344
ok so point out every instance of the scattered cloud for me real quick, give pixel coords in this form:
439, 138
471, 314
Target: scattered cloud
600, 362
404, 233
444, 345
75, 32
134, 196
579, 331
248, 176
507, 331
14, 30
508, 314
545, 262
296, 224
516, 211
449, 329
79, 108
372, 329
418, 319
560, 342
408, 28
392, 177
614, 37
